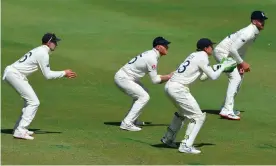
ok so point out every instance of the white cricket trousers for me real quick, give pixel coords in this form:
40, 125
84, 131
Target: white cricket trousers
182, 99
187, 108
134, 89
31, 102
234, 81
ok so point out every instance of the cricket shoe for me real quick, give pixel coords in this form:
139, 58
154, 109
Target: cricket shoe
28, 132
129, 127
230, 116
185, 149
22, 135
225, 112
168, 142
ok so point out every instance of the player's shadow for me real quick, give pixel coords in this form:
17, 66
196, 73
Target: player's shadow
197, 145
145, 125
215, 112
36, 131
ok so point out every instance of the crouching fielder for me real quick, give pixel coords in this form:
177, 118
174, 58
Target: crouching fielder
177, 88
127, 79
16, 75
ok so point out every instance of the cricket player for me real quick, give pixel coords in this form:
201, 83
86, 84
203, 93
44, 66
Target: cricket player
16, 75
177, 88
127, 79
235, 46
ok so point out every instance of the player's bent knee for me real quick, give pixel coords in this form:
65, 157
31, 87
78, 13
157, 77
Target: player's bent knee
199, 117
34, 103
145, 98
179, 115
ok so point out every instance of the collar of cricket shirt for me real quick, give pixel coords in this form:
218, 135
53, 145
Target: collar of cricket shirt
205, 53
47, 49
255, 29
157, 53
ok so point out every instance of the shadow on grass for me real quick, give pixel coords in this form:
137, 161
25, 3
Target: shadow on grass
197, 145
36, 131
215, 112
145, 125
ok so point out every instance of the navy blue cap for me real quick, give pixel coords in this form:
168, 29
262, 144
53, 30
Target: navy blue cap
160, 41
258, 15
50, 37
203, 43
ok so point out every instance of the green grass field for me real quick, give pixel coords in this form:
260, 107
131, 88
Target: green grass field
77, 121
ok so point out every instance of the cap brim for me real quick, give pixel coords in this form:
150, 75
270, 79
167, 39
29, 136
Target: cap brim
263, 18
58, 39
166, 43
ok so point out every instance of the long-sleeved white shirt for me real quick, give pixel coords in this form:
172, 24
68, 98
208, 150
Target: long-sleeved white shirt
192, 67
236, 44
34, 59
145, 63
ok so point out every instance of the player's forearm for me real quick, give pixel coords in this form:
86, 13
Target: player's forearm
165, 78
236, 56
155, 78
158, 79
211, 73
53, 74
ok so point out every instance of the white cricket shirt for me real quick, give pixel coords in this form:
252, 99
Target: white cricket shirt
237, 43
142, 64
34, 59
192, 67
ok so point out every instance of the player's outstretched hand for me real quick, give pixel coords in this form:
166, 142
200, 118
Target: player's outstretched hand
245, 67
70, 74
241, 71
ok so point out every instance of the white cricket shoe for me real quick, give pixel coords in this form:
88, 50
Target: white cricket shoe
22, 135
129, 127
225, 112
30, 132
230, 116
168, 142
185, 149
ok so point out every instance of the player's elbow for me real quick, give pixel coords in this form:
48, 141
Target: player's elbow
233, 50
48, 76
156, 79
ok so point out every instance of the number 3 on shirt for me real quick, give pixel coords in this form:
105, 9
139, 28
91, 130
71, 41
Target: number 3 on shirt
25, 57
183, 66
